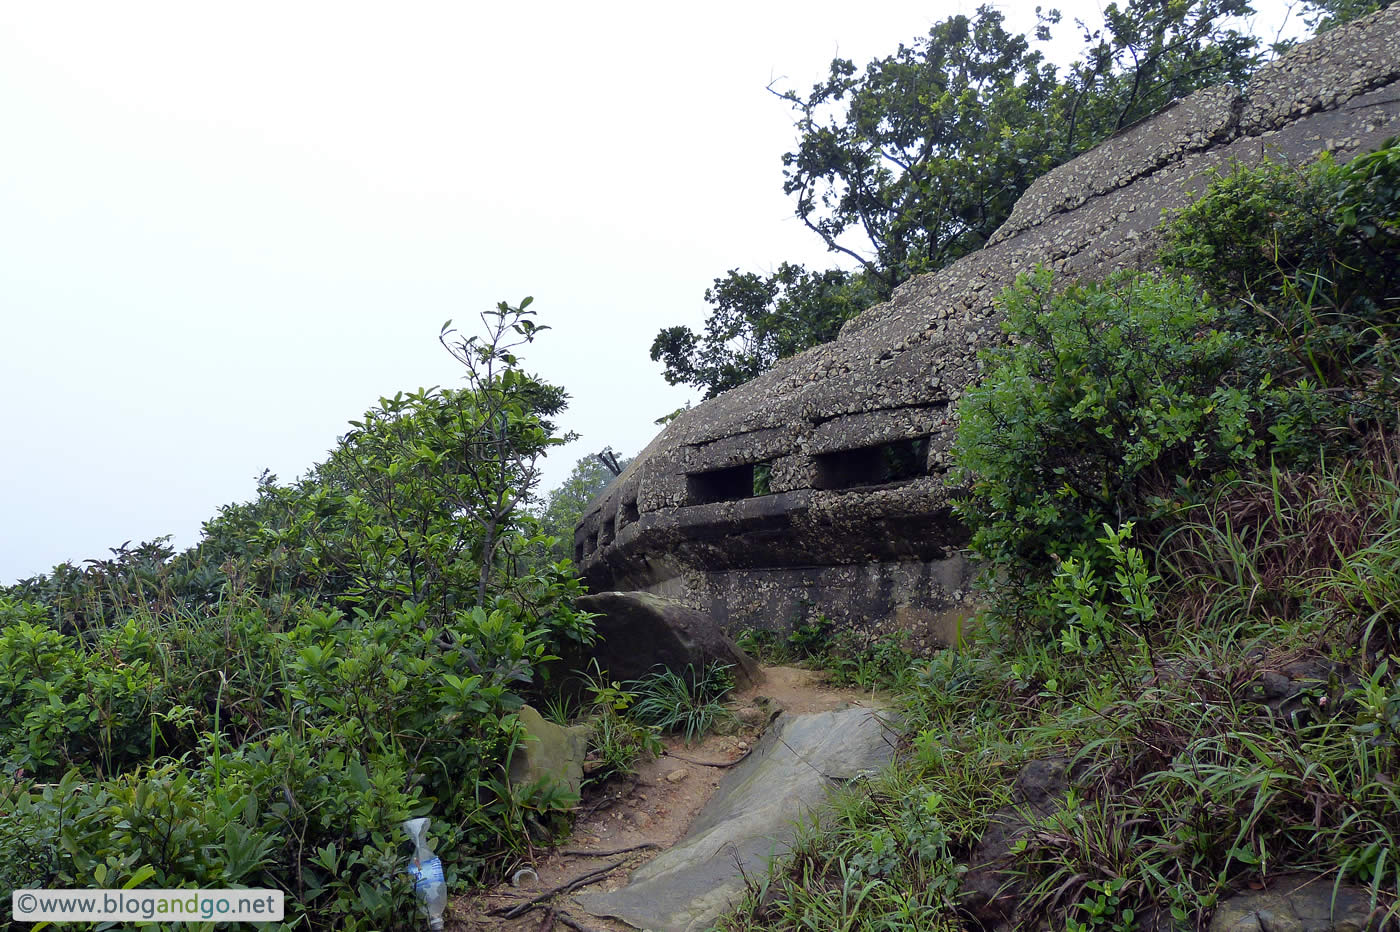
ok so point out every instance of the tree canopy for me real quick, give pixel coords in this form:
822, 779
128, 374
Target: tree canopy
760, 319
564, 506
913, 161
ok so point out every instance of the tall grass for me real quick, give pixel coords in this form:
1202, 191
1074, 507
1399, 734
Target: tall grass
1260, 736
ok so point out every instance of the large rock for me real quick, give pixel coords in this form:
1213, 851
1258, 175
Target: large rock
1296, 903
819, 486
549, 752
752, 816
638, 631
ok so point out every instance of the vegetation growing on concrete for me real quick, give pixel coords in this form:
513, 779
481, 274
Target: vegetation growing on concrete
1184, 491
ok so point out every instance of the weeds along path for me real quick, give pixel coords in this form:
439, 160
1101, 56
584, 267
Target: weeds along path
626, 823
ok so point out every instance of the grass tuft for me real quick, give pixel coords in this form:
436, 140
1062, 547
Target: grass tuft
689, 704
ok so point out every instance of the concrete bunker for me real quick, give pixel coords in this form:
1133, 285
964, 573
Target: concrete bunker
872, 465
729, 484
822, 484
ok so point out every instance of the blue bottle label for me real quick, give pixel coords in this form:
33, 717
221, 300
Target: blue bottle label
426, 873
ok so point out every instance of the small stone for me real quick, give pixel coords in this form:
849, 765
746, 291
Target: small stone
1275, 685
676, 776
751, 715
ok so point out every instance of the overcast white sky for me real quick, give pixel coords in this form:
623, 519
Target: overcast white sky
225, 230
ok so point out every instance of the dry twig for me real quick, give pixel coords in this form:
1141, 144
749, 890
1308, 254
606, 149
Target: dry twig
708, 763
523, 908
582, 853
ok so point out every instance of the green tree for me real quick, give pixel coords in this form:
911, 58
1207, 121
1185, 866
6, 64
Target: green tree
564, 506
420, 499
500, 451
1145, 55
1328, 14
915, 160
758, 320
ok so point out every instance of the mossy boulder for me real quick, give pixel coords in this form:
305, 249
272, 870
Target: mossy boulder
549, 752
639, 631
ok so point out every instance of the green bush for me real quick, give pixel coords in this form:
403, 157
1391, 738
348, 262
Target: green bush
1188, 783
62, 706
258, 820
340, 654
1306, 261
1117, 402
616, 740
807, 643
1109, 399
869, 663
362, 721
1244, 438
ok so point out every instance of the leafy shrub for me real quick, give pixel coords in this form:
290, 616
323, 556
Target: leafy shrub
364, 721
616, 741
62, 706
810, 641
1109, 397
1115, 400
1214, 425
1306, 260
338, 655
1103, 618
171, 826
1264, 232
869, 663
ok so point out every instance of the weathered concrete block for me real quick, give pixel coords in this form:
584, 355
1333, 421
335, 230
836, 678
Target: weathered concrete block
1206, 118
1325, 73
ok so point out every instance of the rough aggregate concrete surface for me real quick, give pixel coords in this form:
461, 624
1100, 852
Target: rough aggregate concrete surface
816, 423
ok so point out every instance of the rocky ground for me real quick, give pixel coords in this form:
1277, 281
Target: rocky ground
624, 824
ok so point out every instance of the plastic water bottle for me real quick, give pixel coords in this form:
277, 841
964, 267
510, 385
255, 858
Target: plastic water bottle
426, 871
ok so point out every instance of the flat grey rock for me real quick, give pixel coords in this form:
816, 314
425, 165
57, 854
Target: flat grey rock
1298, 902
752, 817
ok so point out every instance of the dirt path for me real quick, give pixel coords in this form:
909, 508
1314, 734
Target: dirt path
644, 816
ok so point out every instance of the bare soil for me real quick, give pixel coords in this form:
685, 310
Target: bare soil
626, 823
